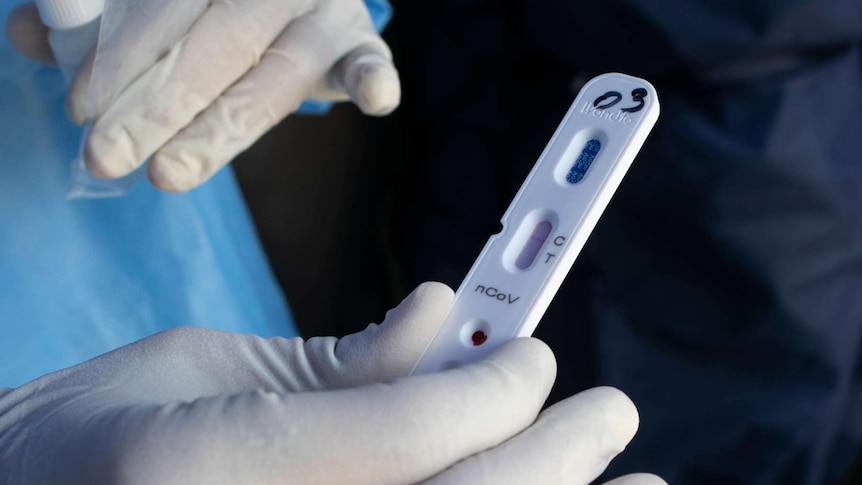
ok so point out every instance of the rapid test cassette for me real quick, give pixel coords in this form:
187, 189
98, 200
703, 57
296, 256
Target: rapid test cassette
520, 269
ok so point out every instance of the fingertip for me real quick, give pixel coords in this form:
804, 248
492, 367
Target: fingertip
528, 357
620, 413
523, 370
425, 307
433, 291
76, 104
171, 173
429, 298
389, 350
638, 479
75, 114
109, 155
374, 86
28, 35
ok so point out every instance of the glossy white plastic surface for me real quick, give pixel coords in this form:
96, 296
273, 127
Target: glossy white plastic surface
569, 187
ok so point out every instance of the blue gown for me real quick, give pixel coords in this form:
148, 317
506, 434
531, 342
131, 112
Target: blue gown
82, 277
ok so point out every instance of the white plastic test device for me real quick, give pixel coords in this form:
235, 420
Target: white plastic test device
520, 269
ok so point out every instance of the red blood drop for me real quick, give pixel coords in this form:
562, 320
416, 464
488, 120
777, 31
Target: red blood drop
479, 338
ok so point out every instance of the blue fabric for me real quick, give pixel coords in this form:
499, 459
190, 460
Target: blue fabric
381, 14
79, 278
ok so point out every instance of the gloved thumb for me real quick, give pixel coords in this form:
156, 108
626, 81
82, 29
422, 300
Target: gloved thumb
186, 362
386, 351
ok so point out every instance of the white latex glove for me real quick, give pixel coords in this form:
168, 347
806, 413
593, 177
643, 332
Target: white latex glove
192, 406
192, 83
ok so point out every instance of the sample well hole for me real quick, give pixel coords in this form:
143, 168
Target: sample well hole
475, 333
479, 337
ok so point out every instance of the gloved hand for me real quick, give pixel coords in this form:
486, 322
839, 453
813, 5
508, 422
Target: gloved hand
194, 83
193, 406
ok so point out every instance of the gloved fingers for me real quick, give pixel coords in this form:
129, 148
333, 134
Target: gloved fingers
637, 479
380, 352
223, 44
369, 77
572, 442
28, 35
401, 432
275, 87
127, 48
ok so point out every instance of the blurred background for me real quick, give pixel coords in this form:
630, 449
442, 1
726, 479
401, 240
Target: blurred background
722, 289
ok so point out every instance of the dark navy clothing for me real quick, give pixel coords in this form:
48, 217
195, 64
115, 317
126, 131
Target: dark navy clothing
722, 289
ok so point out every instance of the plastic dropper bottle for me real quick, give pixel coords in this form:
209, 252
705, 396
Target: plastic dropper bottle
74, 31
